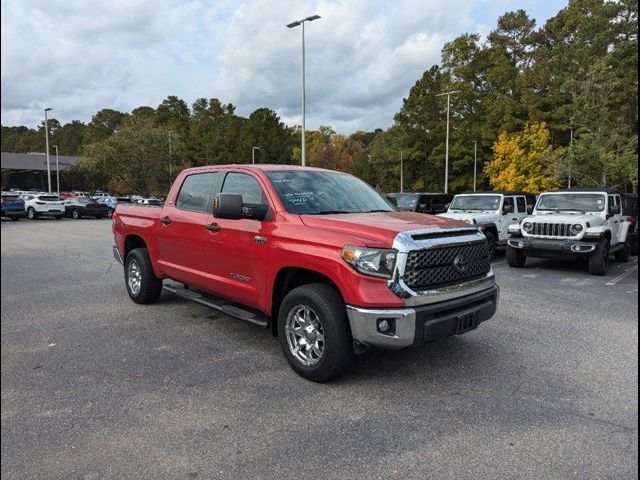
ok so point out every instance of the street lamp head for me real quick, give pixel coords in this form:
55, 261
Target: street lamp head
300, 22
48, 109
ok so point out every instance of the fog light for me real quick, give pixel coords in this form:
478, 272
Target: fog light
386, 326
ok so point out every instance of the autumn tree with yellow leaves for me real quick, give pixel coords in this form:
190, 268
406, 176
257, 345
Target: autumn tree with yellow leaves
523, 161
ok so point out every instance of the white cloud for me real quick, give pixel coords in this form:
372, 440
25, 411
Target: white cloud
362, 56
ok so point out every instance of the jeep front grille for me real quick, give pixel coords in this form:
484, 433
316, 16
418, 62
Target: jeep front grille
552, 229
438, 267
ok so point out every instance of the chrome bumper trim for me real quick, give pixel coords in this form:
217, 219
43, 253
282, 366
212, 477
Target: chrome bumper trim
117, 256
364, 327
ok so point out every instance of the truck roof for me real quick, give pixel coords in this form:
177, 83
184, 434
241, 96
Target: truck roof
498, 192
260, 167
588, 190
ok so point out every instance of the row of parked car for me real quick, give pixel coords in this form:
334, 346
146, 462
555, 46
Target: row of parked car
591, 224
33, 204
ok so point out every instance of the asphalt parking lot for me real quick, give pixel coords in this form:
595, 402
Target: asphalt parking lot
95, 386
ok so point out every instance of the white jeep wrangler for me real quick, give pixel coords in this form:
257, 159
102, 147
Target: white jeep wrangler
491, 212
572, 224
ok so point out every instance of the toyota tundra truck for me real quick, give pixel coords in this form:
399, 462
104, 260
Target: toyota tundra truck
316, 256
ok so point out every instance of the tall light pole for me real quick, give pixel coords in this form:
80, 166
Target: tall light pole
475, 163
170, 156
253, 154
446, 150
57, 171
292, 25
401, 172
46, 139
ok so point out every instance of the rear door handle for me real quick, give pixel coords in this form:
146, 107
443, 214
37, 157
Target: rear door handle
213, 227
165, 221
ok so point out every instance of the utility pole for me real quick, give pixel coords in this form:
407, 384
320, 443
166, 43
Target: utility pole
401, 172
253, 154
475, 163
446, 151
292, 25
570, 143
46, 139
170, 156
57, 171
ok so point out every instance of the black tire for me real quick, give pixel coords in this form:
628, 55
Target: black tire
75, 214
31, 213
150, 286
515, 258
58, 217
492, 243
622, 256
98, 217
634, 244
599, 260
337, 352
15, 219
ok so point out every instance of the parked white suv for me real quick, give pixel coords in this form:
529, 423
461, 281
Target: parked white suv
43, 205
491, 212
569, 224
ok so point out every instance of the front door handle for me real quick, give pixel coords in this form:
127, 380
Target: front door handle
165, 221
214, 227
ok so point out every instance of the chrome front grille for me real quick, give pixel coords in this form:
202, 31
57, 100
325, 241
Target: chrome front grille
551, 229
438, 267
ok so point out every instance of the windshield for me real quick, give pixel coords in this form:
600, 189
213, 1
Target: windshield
316, 193
475, 202
407, 201
580, 202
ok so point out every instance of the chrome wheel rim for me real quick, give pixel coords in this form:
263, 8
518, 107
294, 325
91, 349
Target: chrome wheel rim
305, 335
75, 214
134, 277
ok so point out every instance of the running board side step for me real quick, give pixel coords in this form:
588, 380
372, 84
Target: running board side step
228, 308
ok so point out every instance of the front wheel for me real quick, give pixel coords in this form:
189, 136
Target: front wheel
75, 214
492, 244
599, 260
515, 258
31, 213
314, 332
142, 284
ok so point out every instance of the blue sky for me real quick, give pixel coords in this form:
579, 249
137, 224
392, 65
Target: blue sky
363, 56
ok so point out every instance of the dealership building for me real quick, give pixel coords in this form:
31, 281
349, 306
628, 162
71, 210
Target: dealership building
28, 171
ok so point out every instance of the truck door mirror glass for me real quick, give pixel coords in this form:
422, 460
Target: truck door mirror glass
507, 209
227, 205
446, 206
530, 209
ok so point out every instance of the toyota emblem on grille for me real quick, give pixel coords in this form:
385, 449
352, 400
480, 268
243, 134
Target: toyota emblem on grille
460, 263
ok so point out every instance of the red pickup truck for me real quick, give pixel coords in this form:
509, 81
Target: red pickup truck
315, 255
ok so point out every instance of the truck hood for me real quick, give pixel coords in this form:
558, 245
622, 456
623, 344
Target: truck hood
565, 218
378, 229
480, 218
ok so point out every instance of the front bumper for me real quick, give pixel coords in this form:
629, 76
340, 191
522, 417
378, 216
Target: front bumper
544, 246
117, 256
422, 324
14, 213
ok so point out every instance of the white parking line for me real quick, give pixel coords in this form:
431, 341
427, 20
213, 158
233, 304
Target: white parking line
623, 275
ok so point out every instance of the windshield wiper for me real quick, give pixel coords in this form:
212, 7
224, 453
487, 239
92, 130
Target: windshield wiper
328, 212
374, 211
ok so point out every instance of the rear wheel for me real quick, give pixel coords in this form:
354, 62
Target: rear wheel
599, 260
75, 213
515, 257
31, 213
314, 332
623, 255
142, 284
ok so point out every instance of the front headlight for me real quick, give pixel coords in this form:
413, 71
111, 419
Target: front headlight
527, 227
377, 262
576, 229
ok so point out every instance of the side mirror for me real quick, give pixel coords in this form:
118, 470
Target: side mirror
614, 210
507, 209
227, 205
446, 206
530, 209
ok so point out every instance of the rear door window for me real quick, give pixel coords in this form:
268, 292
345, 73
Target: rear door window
522, 204
196, 192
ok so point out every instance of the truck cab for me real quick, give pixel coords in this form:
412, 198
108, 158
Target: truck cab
573, 224
491, 212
